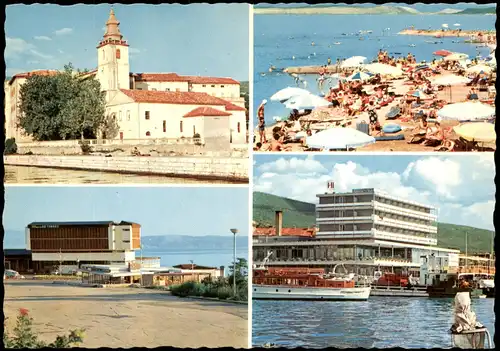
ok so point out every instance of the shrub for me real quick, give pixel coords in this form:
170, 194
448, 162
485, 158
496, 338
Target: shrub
10, 146
224, 292
188, 289
24, 336
86, 148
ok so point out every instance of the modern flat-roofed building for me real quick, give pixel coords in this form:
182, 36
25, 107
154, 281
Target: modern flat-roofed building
366, 230
73, 243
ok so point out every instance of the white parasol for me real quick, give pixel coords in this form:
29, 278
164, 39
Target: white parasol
287, 93
339, 138
466, 111
355, 61
478, 69
456, 56
306, 101
383, 69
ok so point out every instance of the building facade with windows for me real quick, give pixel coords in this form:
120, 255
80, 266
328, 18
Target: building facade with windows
150, 105
366, 230
67, 245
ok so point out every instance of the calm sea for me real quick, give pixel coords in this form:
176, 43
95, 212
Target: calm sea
211, 258
280, 37
379, 322
38, 175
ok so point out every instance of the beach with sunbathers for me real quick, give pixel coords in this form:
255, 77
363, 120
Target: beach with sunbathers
425, 99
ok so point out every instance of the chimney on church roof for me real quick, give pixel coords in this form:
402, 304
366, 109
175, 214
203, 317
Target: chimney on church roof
112, 27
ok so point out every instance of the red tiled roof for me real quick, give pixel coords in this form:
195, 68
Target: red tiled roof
174, 77
232, 107
210, 80
173, 97
41, 72
307, 232
206, 111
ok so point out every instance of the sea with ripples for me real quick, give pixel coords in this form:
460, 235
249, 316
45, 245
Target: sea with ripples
380, 322
280, 38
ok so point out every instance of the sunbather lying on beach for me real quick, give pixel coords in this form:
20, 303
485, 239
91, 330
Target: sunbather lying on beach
434, 135
419, 131
277, 144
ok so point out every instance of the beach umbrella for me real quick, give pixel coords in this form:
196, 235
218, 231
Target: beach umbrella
456, 56
482, 132
306, 101
466, 111
339, 138
450, 79
442, 53
479, 69
360, 76
383, 69
354, 61
287, 93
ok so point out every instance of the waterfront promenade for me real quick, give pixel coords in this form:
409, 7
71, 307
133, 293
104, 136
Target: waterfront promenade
127, 317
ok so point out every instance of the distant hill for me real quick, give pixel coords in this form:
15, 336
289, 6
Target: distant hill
16, 240
478, 11
303, 214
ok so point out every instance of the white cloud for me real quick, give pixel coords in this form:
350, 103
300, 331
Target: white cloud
297, 165
42, 37
40, 55
63, 31
444, 182
14, 47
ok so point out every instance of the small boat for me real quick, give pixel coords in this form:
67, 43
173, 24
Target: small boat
337, 43
283, 283
412, 45
449, 286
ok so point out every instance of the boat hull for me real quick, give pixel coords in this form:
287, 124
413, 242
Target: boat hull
273, 292
398, 291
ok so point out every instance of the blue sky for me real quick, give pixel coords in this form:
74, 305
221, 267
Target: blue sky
198, 39
460, 186
160, 210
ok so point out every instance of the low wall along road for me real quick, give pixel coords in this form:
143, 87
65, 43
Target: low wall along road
201, 167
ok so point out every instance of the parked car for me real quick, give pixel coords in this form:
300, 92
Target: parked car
10, 274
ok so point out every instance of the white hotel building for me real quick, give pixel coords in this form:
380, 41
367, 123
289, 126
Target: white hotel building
367, 230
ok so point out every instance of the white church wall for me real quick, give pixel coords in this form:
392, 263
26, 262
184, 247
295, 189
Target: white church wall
218, 90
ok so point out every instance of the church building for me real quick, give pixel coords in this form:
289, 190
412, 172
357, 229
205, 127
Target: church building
150, 105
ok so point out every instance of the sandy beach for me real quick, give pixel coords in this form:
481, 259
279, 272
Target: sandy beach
458, 94
447, 33
127, 317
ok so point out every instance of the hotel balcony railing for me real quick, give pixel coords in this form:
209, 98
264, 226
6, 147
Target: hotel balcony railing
344, 234
407, 238
401, 201
352, 219
320, 207
383, 261
404, 211
404, 225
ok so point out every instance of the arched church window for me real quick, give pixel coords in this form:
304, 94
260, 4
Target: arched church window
117, 53
148, 134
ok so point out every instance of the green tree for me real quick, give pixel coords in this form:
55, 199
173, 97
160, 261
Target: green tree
62, 106
110, 127
241, 271
23, 335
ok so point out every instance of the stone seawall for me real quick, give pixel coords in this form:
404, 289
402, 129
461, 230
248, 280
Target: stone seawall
200, 167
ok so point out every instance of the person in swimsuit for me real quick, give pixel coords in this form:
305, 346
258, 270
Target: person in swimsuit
262, 122
277, 143
321, 78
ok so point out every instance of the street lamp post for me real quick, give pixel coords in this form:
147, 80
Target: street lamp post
234, 231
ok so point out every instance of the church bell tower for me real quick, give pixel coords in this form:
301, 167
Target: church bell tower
113, 67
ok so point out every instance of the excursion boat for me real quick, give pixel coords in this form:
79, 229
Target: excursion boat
449, 287
305, 284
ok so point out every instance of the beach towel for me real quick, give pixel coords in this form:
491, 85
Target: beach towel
390, 137
391, 128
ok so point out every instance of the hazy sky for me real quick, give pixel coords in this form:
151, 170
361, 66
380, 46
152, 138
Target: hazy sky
160, 210
195, 39
461, 186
